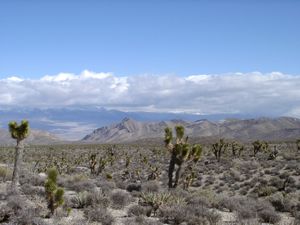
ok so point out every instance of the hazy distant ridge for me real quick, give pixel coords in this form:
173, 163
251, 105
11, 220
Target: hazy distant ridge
245, 130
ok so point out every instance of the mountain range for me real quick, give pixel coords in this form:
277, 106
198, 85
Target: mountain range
72, 123
96, 124
270, 129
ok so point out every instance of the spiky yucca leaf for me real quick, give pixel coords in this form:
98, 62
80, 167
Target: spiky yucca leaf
58, 197
168, 136
179, 132
196, 153
19, 132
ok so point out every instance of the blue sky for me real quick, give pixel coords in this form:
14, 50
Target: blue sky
203, 57
148, 37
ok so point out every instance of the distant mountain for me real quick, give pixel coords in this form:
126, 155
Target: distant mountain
129, 130
36, 137
72, 123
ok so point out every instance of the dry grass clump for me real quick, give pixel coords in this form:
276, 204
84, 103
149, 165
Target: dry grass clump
120, 199
5, 174
99, 215
141, 220
88, 199
151, 186
19, 211
78, 183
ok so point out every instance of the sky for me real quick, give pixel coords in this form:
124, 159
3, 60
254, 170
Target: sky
188, 56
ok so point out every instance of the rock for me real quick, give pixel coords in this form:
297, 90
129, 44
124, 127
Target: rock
42, 175
80, 169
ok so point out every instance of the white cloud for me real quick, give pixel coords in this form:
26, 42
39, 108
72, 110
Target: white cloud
252, 93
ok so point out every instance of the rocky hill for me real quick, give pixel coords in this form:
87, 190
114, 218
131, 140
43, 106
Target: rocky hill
271, 129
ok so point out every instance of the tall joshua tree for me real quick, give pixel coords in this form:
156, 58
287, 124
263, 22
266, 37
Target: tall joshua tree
181, 152
219, 148
259, 146
18, 132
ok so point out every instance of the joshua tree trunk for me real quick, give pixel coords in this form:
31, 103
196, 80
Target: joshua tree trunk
171, 169
178, 175
17, 165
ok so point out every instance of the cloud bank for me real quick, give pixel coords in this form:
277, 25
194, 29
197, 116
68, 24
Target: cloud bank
254, 93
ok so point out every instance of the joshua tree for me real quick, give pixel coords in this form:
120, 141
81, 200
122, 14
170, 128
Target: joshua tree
54, 194
219, 148
236, 149
273, 153
181, 152
298, 144
102, 165
259, 146
18, 132
92, 163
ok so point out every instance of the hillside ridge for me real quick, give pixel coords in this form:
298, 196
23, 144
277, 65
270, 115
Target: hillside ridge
240, 129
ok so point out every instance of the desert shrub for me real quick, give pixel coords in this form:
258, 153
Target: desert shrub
194, 220
254, 181
190, 214
249, 209
210, 180
263, 182
199, 200
28, 189
228, 203
246, 212
85, 199
276, 182
81, 200
4, 173
120, 184
205, 197
297, 218
235, 187
284, 175
277, 200
5, 213
73, 221
119, 199
179, 192
269, 215
27, 216
138, 210
235, 175
265, 190
98, 198
16, 203
284, 203
80, 186
133, 187
249, 165
243, 191
292, 165
246, 209
19, 211
213, 217
155, 200
173, 214
202, 214
99, 215
27, 177
151, 186
141, 220
106, 186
